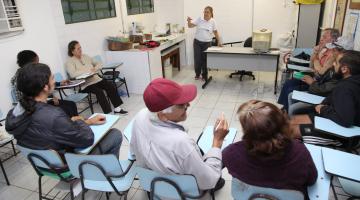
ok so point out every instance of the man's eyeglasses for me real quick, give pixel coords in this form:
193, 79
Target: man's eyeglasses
183, 106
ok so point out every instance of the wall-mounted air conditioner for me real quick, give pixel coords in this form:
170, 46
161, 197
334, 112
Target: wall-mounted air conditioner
10, 20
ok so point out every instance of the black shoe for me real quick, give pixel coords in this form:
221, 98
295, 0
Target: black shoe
220, 184
121, 112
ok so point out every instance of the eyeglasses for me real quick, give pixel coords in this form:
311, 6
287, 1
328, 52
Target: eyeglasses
183, 106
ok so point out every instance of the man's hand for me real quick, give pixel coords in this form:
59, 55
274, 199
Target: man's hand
318, 108
56, 101
308, 79
97, 120
220, 131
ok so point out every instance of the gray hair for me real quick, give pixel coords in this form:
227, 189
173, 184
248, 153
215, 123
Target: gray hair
154, 115
334, 33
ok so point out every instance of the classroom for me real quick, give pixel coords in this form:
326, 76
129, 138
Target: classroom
180, 99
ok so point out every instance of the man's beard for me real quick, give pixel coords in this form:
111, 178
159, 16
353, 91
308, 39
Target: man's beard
338, 75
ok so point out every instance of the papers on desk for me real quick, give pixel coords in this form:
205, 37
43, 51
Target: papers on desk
299, 60
99, 131
112, 65
86, 75
206, 138
214, 49
306, 97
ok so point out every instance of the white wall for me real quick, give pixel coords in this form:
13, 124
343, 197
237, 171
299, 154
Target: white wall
39, 36
329, 13
235, 18
346, 23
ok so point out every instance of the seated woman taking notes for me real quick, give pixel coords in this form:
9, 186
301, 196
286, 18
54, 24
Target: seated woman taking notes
267, 156
79, 64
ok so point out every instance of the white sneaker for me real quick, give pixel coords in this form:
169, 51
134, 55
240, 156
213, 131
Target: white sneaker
120, 111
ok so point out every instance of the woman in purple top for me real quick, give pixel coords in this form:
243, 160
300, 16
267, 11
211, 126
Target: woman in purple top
267, 156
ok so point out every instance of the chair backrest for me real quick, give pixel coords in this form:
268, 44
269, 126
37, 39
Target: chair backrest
58, 77
248, 42
167, 186
93, 166
97, 58
42, 158
243, 191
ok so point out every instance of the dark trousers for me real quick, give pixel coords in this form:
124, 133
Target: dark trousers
110, 89
68, 107
110, 144
200, 58
288, 87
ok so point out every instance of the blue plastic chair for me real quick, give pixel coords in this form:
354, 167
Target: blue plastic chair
102, 173
127, 134
169, 186
243, 191
48, 163
346, 167
351, 134
76, 97
3, 142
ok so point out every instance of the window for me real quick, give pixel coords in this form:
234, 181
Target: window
135, 7
9, 17
87, 10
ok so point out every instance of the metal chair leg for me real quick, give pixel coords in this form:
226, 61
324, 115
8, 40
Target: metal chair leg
13, 147
4, 173
127, 91
40, 191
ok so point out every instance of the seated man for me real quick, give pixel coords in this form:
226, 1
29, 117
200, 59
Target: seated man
342, 106
38, 125
321, 60
324, 84
160, 143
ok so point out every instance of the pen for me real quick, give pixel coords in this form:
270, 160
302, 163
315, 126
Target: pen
222, 119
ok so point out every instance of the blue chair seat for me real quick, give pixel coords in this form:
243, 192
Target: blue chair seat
243, 191
121, 184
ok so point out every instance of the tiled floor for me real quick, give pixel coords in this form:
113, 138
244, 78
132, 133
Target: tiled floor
221, 95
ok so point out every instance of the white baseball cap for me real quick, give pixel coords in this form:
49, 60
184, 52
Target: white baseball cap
342, 42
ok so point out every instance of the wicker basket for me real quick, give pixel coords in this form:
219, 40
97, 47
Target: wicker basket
119, 46
136, 38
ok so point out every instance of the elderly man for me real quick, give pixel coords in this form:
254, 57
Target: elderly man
321, 60
160, 143
341, 106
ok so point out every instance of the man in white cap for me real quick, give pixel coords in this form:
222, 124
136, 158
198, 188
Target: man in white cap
160, 143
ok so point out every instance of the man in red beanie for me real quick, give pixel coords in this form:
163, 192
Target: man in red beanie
160, 143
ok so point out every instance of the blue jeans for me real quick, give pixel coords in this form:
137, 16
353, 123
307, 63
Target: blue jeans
110, 144
289, 86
